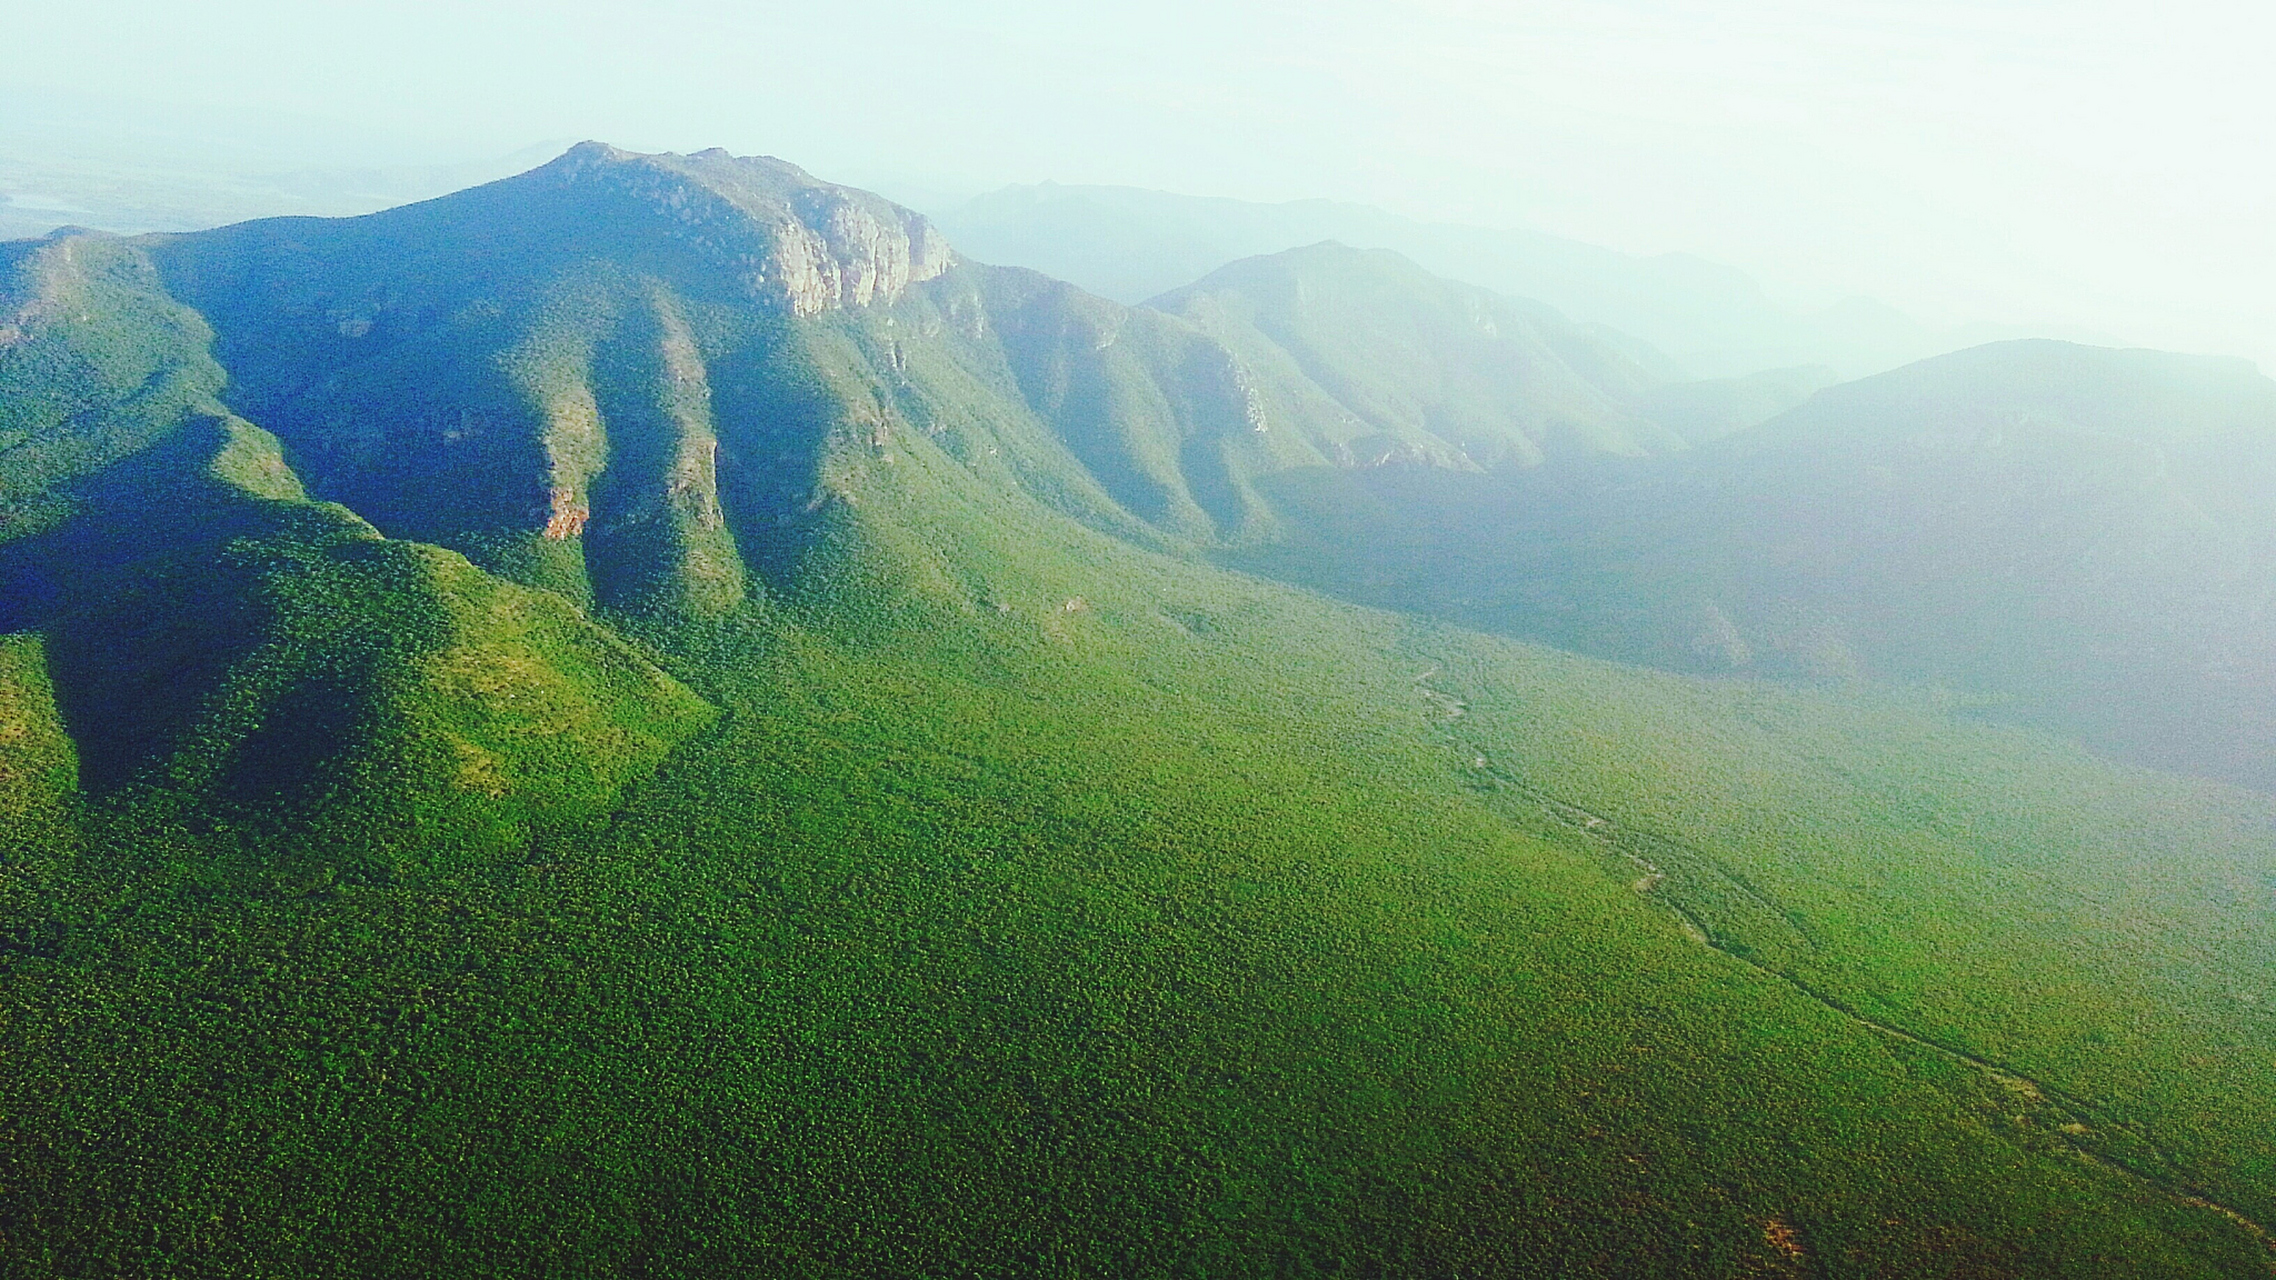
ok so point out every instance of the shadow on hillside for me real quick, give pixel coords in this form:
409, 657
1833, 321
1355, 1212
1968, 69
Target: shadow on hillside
179, 610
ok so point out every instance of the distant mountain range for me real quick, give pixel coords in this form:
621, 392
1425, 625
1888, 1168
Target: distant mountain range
2075, 538
2078, 538
66, 162
1130, 244
657, 716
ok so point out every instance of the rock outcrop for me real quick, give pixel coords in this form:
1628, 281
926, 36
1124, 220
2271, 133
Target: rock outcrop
795, 242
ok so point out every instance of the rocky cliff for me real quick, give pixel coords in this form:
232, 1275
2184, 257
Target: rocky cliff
796, 242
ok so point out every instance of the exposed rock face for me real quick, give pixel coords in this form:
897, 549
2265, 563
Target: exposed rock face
565, 515
798, 243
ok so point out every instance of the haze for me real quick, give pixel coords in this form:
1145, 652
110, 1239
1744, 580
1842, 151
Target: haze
1245, 640
2092, 165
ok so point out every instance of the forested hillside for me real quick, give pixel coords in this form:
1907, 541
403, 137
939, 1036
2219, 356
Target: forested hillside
2067, 537
651, 718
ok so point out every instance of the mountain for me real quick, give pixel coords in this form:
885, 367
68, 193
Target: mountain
1508, 382
652, 717
1324, 357
2073, 538
1131, 244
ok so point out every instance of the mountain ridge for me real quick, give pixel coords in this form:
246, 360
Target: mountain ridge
1131, 243
464, 877
2069, 537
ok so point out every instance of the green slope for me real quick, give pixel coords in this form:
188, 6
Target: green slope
912, 971
1443, 372
1037, 900
98, 362
268, 663
2072, 538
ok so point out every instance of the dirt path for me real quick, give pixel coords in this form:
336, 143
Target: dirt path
1449, 706
2081, 1117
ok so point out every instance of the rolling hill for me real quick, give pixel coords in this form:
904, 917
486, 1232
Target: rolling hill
2072, 538
1132, 244
652, 718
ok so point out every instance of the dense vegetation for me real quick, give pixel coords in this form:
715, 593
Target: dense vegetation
810, 823
2074, 539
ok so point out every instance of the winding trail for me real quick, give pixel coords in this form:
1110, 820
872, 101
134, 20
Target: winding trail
2077, 1112
1448, 705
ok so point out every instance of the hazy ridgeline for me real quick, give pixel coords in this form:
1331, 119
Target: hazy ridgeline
652, 717
1713, 319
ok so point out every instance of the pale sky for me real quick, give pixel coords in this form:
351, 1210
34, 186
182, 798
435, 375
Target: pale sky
2097, 163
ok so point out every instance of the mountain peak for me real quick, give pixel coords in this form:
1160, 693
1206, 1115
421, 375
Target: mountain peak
792, 239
